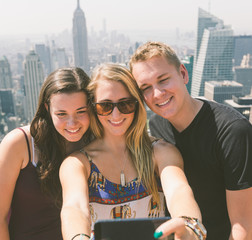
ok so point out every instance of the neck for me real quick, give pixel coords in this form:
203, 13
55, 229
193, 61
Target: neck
73, 146
187, 114
114, 143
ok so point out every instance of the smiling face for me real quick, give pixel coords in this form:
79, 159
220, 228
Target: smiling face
163, 87
70, 114
115, 123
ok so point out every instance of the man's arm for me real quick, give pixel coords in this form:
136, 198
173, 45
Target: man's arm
176, 189
239, 205
238, 178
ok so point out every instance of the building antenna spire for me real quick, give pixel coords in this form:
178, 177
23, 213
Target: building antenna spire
209, 6
78, 3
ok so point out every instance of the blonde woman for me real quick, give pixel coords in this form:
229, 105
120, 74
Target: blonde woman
118, 174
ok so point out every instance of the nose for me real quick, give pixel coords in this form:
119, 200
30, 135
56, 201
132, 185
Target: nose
71, 121
157, 92
115, 113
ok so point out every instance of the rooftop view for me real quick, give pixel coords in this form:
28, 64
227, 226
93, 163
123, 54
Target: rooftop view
214, 45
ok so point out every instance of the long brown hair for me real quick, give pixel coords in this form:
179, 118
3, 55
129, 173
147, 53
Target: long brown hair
51, 145
137, 139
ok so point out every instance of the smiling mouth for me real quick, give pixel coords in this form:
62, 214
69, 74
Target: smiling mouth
73, 131
117, 123
165, 102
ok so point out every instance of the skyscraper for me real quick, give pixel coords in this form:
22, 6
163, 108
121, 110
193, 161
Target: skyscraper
213, 54
220, 91
33, 79
45, 57
5, 74
80, 42
242, 46
243, 74
59, 58
7, 101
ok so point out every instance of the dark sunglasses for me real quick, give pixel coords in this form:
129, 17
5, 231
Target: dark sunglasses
106, 108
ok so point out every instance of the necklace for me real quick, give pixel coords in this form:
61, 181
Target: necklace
122, 175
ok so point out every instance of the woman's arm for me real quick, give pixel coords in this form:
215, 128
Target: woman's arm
75, 216
13, 157
179, 196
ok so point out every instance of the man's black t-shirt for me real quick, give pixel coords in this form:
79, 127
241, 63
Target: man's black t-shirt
217, 153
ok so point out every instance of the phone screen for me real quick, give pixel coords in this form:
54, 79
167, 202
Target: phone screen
128, 229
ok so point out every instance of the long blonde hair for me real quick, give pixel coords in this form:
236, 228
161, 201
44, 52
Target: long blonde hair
137, 139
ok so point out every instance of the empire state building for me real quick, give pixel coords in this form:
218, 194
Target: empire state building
80, 43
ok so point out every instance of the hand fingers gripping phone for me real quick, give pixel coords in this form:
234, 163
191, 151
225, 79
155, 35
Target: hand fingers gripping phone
128, 229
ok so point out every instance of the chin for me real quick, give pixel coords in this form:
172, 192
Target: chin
73, 138
167, 115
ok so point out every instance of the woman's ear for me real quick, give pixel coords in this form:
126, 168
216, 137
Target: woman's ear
46, 106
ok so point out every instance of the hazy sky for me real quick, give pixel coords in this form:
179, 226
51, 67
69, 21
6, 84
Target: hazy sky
54, 16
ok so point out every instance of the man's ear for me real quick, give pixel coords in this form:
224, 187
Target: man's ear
184, 73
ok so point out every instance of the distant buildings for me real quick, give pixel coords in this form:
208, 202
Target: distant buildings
7, 102
20, 60
45, 57
242, 105
5, 74
230, 94
213, 54
59, 58
243, 73
242, 46
80, 39
221, 91
219, 56
33, 79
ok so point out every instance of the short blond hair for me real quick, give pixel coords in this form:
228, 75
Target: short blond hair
153, 49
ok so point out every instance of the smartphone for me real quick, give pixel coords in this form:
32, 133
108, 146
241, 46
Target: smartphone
128, 229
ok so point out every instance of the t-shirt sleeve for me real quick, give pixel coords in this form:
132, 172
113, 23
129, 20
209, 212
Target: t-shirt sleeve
161, 128
155, 127
237, 150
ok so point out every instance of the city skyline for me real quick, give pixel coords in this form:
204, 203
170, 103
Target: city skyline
47, 51
29, 17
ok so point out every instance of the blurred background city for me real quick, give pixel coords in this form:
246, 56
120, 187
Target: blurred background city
213, 40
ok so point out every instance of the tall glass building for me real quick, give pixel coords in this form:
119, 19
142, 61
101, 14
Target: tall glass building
213, 54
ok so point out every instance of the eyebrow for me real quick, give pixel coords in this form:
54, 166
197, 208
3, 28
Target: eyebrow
159, 77
82, 107
76, 109
121, 99
162, 75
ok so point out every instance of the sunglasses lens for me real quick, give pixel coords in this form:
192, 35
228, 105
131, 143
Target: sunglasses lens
104, 108
127, 107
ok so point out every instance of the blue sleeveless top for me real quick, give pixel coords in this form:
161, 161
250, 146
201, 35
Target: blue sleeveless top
108, 200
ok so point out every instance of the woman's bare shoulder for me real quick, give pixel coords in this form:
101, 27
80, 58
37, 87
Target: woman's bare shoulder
162, 145
167, 152
16, 136
14, 149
